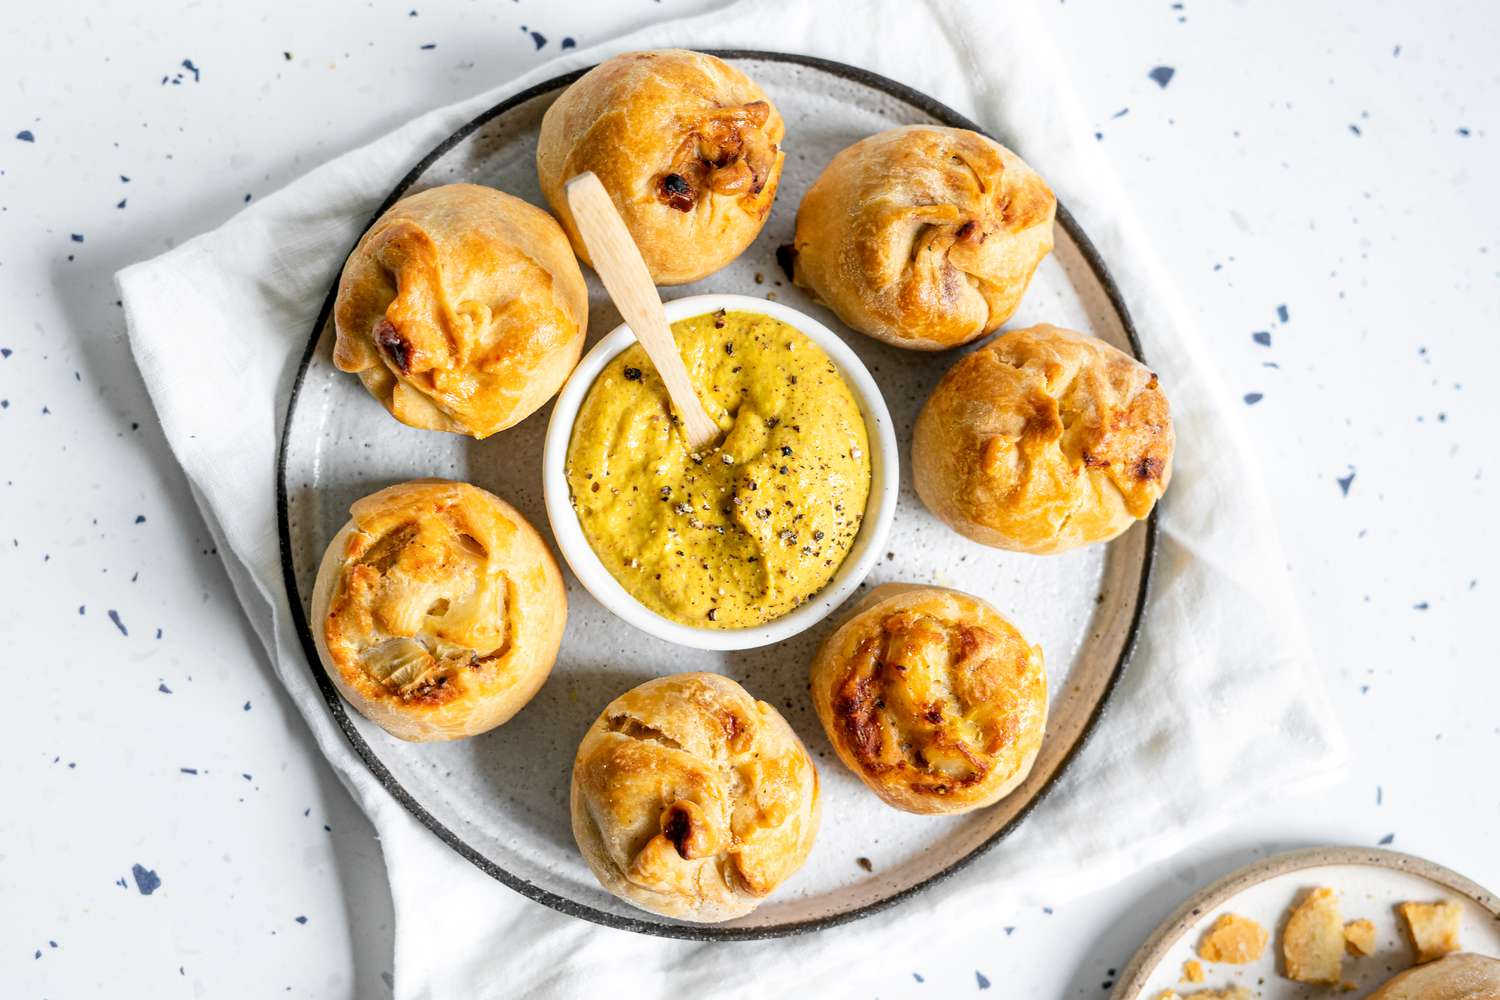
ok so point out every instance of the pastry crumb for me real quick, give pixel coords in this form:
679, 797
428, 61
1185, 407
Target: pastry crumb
1313, 942
1233, 939
1192, 971
1359, 937
1433, 928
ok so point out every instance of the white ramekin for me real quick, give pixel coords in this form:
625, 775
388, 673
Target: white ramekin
880, 509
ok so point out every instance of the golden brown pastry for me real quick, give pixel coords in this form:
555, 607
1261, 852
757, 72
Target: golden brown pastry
693, 800
1432, 927
931, 698
1359, 937
923, 237
438, 610
686, 145
1043, 440
462, 309
1234, 939
1313, 942
1456, 977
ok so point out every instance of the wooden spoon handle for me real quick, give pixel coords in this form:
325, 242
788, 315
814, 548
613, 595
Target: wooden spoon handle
618, 263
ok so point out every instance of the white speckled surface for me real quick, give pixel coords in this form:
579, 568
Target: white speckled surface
1382, 246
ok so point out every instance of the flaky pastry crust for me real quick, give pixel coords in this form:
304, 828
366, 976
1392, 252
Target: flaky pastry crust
923, 237
1455, 977
688, 147
692, 799
1043, 440
438, 610
932, 698
462, 309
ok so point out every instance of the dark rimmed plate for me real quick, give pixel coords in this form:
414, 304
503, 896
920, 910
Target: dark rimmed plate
501, 800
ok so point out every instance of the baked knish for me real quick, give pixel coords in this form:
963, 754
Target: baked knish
692, 799
1455, 977
688, 147
461, 309
1043, 440
923, 237
438, 610
932, 698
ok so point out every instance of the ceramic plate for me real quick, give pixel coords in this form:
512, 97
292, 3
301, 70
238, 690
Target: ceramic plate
1370, 883
501, 800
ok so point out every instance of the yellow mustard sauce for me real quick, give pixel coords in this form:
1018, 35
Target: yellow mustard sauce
745, 532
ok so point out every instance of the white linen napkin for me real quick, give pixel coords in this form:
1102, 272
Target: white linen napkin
1221, 709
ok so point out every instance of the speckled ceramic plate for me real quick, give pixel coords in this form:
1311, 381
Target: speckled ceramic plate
1370, 883
501, 800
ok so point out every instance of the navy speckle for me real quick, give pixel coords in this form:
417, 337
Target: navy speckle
146, 880
140, 519
429, 45
1121, 113
981, 979
76, 237
568, 43
188, 770
301, 920
1420, 606
163, 688
187, 64
120, 203
1355, 129
1463, 132
1162, 75
1345, 482
247, 706
114, 616
25, 135
5, 352
1282, 314
1251, 398
1388, 838
1261, 337
538, 39
1009, 931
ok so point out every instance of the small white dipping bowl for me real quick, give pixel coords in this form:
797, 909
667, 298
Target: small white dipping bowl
880, 509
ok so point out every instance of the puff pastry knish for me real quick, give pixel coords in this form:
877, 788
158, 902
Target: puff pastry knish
693, 800
461, 309
688, 147
1043, 440
438, 610
923, 237
932, 698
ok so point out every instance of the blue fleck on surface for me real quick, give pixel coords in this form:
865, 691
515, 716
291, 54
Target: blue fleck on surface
247, 706
25, 135
1420, 606
918, 977
538, 39
1261, 337
1009, 931
187, 64
188, 770
1162, 75
146, 880
114, 616
140, 519
981, 979
5, 352
1282, 313
1355, 129
429, 45
1387, 839
163, 688
76, 237
568, 43
1345, 482
301, 920
1251, 398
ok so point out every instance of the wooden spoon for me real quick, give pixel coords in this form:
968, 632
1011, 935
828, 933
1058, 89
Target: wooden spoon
617, 261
